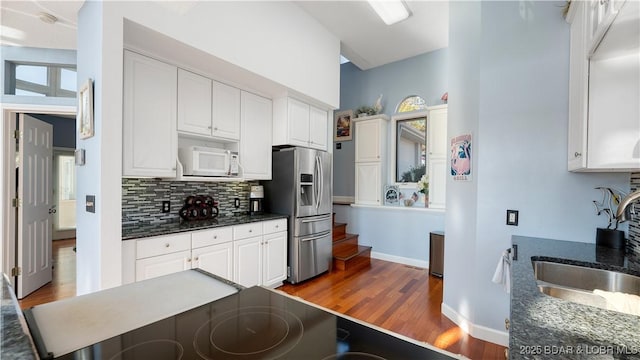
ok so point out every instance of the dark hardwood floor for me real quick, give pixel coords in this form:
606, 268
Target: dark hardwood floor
396, 297
63, 284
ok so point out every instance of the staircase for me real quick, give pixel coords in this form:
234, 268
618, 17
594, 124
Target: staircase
347, 254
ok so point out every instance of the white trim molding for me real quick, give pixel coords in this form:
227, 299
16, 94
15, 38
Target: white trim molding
400, 260
344, 200
477, 331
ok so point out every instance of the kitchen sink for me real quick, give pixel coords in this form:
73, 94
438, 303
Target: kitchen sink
576, 283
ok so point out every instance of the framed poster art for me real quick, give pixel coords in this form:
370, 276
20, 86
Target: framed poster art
461, 157
342, 131
85, 110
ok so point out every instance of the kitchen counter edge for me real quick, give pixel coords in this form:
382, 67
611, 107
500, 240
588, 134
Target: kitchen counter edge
16, 341
143, 230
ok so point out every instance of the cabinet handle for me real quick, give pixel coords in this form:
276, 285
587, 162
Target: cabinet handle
209, 127
215, 129
215, 237
166, 245
577, 154
189, 260
507, 324
196, 259
173, 168
250, 230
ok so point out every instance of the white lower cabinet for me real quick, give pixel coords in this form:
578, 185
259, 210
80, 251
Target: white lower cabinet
261, 259
155, 266
248, 261
249, 254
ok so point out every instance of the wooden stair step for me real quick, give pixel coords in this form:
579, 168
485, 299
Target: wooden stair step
353, 260
339, 229
345, 248
343, 237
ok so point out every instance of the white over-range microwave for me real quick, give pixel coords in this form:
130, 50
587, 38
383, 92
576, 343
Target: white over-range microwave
207, 161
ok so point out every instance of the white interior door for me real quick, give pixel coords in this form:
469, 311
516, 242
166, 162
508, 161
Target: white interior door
35, 192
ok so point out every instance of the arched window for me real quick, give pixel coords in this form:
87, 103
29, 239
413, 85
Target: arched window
411, 103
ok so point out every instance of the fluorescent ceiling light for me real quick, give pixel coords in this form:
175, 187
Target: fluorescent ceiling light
390, 11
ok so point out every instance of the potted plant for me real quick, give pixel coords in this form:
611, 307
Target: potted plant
365, 111
423, 187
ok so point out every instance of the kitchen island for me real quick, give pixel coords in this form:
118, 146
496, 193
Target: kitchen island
15, 340
544, 327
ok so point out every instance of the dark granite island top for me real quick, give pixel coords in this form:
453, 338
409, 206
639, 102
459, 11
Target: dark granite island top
544, 327
142, 230
15, 340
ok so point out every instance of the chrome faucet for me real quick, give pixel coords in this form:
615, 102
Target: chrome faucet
621, 214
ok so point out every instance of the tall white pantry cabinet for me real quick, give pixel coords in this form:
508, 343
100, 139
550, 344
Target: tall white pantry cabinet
370, 158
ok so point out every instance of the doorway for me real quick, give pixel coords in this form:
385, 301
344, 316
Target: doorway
65, 181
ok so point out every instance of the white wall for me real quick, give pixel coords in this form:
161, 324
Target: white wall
275, 40
509, 86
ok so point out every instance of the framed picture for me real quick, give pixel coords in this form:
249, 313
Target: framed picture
343, 130
85, 110
461, 158
391, 195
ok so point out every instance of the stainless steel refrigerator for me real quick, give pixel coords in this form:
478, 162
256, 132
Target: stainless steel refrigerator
301, 188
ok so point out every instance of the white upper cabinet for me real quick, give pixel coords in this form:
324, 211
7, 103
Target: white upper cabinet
207, 107
194, 103
150, 108
300, 124
318, 122
604, 131
226, 111
255, 142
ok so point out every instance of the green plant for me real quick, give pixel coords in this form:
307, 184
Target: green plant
413, 174
366, 110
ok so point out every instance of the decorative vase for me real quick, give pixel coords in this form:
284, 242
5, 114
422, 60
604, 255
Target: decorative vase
426, 201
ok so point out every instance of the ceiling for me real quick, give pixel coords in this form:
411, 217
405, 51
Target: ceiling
365, 39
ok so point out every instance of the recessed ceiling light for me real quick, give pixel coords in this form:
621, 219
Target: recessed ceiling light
390, 11
47, 18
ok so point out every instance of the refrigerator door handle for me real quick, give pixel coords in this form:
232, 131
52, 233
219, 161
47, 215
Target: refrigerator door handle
317, 182
327, 217
316, 237
321, 190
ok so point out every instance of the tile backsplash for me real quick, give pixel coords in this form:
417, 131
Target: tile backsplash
142, 198
633, 244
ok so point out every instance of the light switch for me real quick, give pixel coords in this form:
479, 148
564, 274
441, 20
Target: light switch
512, 217
90, 203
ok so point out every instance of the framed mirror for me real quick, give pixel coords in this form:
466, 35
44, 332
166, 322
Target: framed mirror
409, 147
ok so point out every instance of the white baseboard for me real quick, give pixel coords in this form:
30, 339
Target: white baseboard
400, 260
477, 331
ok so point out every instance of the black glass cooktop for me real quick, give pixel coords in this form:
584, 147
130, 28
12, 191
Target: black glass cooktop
255, 323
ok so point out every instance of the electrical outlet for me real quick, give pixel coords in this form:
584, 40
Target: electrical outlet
512, 217
166, 206
236, 202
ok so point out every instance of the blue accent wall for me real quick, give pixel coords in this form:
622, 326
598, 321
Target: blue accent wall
424, 75
64, 130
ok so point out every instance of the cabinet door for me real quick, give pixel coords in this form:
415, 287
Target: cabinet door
368, 187
275, 258
247, 255
216, 259
578, 89
437, 133
255, 140
162, 265
149, 108
226, 111
368, 142
194, 103
437, 182
298, 115
318, 128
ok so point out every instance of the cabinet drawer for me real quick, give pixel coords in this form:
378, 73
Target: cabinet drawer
161, 245
273, 226
247, 230
211, 237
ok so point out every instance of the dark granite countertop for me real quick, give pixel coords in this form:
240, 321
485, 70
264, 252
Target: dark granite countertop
142, 230
16, 342
543, 327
